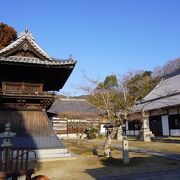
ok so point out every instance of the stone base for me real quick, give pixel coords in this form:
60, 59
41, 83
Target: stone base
145, 135
45, 154
107, 153
70, 136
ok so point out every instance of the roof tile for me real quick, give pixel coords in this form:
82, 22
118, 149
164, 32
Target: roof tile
33, 60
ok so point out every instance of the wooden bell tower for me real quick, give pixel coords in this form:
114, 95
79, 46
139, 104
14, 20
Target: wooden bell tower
27, 76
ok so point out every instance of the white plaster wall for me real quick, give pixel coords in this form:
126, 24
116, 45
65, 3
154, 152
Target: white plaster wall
102, 129
165, 125
132, 132
136, 132
175, 132
56, 118
61, 136
127, 125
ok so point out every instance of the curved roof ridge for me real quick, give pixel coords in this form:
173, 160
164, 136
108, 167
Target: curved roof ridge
26, 35
26, 32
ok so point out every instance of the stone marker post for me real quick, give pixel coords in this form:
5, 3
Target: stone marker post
125, 150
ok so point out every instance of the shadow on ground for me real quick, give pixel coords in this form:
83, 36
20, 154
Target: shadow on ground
114, 167
166, 140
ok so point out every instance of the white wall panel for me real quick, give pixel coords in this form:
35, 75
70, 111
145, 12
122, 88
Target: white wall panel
165, 125
175, 132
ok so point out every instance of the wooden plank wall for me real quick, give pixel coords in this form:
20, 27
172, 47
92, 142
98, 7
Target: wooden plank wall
70, 126
26, 122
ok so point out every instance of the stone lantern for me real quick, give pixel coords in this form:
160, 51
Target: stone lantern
7, 135
145, 133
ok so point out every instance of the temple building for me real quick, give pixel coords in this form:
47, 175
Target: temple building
72, 117
161, 107
28, 78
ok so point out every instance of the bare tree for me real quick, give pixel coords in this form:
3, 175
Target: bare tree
168, 68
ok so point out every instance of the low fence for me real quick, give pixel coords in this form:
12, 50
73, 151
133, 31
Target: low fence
15, 162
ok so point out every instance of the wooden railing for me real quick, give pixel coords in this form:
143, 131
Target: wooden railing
17, 162
22, 87
25, 93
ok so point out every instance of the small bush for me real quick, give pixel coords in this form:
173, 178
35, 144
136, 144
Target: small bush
91, 133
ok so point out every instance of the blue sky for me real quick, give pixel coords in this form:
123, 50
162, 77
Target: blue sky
104, 36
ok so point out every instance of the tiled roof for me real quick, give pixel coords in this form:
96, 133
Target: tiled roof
74, 106
5, 55
33, 60
165, 94
159, 103
165, 88
25, 35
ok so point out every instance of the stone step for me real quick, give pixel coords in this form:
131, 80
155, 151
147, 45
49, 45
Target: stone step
51, 154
